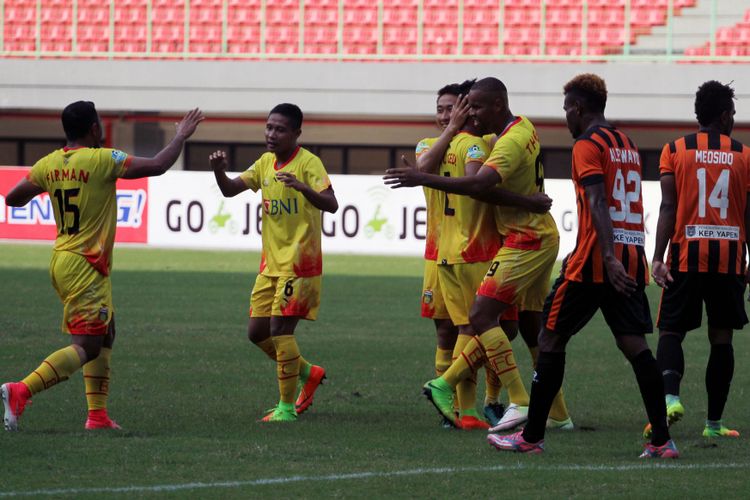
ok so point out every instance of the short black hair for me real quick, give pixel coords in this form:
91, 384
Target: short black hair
591, 89
457, 89
291, 112
77, 119
490, 84
711, 100
450, 89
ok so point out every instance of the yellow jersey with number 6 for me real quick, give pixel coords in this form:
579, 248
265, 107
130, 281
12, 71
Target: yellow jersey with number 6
291, 225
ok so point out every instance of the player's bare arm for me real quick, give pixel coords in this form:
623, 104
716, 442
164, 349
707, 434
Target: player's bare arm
22, 193
597, 200
229, 187
664, 230
536, 203
324, 200
473, 185
164, 159
430, 160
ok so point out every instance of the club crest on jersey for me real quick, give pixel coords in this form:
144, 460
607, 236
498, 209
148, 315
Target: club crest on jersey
474, 153
103, 314
690, 231
118, 156
427, 297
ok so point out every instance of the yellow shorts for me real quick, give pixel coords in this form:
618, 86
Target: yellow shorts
286, 296
85, 293
459, 284
520, 277
433, 304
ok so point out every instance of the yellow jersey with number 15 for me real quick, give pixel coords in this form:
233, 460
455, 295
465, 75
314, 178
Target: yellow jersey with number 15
291, 225
81, 184
516, 156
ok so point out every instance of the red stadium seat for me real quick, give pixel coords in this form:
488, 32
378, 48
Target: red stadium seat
361, 17
360, 35
321, 16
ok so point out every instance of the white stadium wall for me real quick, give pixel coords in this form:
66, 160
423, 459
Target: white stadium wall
186, 210
642, 92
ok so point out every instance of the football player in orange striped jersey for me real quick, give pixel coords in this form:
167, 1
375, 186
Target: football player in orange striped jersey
607, 270
703, 220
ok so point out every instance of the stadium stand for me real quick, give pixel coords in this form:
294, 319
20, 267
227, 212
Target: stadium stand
380, 30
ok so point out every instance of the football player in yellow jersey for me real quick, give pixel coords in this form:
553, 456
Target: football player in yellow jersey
520, 272
435, 298
295, 188
433, 305
80, 179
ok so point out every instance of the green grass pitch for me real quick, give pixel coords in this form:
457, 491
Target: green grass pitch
188, 388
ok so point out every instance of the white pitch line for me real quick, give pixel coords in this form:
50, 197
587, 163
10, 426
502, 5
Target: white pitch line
370, 475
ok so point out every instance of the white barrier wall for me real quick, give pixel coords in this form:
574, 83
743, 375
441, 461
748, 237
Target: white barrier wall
186, 210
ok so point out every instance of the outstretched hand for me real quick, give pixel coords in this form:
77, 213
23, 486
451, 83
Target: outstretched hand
406, 176
189, 123
218, 161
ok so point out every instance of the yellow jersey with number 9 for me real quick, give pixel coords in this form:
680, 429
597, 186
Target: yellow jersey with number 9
81, 185
516, 156
291, 226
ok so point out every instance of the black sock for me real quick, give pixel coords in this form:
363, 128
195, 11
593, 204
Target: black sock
548, 378
718, 378
652, 391
671, 362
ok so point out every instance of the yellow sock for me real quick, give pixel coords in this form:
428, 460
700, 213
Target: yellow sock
57, 367
466, 388
267, 346
443, 359
559, 411
287, 366
500, 357
96, 380
470, 360
492, 386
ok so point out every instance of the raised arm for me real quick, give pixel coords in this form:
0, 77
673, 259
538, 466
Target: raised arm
22, 193
664, 230
164, 159
430, 160
324, 200
597, 201
229, 187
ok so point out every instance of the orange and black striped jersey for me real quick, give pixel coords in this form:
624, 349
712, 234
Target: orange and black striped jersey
712, 179
605, 154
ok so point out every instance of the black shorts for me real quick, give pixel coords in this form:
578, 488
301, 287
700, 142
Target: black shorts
572, 304
681, 308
